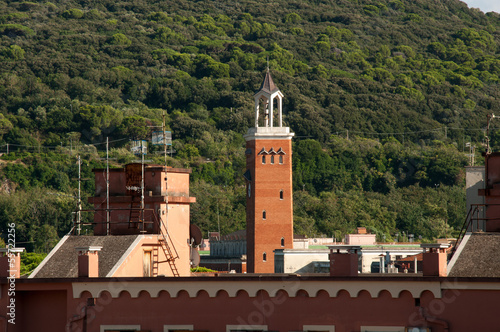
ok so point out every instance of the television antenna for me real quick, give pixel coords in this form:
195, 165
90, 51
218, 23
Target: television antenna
489, 117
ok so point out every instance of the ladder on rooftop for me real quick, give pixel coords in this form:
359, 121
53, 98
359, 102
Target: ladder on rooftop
155, 261
170, 256
168, 250
135, 213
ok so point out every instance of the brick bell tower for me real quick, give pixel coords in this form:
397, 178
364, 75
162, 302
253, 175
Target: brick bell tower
269, 181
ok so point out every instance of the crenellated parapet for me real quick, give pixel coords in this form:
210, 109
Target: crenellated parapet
290, 286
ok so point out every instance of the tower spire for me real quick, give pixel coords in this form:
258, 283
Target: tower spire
265, 97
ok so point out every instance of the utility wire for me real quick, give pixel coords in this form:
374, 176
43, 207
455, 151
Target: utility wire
53, 147
56, 146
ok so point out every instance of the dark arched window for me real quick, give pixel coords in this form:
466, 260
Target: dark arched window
281, 159
282, 241
272, 159
281, 194
264, 257
263, 159
264, 214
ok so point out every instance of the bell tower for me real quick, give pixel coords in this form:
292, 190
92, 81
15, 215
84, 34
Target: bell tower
269, 180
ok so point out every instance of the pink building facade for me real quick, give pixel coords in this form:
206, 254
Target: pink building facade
253, 303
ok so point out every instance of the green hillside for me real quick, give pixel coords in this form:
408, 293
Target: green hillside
382, 96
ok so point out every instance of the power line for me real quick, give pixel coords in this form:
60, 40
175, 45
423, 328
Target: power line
53, 147
440, 129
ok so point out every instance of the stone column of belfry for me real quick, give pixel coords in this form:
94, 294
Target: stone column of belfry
269, 181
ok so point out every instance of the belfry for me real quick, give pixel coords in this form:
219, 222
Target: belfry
269, 213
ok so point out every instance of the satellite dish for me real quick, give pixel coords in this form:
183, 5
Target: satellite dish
194, 257
195, 235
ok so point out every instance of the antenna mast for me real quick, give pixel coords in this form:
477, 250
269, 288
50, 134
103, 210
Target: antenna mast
166, 173
489, 117
107, 185
164, 138
142, 181
79, 213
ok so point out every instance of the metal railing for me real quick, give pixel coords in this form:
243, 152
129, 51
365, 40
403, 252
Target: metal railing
468, 225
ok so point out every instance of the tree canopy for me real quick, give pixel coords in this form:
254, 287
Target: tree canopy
382, 97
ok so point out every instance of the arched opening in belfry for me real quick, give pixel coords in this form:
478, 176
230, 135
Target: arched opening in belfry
276, 111
263, 114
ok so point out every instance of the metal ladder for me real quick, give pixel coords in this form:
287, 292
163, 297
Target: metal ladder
155, 261
169, 254
168, 249
135, 213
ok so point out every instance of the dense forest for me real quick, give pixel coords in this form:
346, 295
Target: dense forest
383, 97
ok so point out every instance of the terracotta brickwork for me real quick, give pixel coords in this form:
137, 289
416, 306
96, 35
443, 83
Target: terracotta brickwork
270, 197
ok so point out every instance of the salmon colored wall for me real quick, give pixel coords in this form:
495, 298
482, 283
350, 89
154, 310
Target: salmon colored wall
284, 314
434, 264
343, 264
120, 217
492, 192
154, 198
88, 264
116, 181
177, 218
154, 180
134, 263
48, 305
178, 230
132, 266
12, 267
178, 182
38, 307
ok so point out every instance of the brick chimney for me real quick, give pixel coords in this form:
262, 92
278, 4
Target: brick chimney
88, 261
10, 262
435, 259
344, 260
243, 263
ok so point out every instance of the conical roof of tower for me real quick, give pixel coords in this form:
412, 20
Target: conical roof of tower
268, 84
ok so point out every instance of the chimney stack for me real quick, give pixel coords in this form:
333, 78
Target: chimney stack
243, 263
88, 261
345, 263
10, 262
435, 259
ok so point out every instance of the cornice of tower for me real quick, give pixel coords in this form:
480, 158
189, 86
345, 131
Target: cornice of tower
268, 133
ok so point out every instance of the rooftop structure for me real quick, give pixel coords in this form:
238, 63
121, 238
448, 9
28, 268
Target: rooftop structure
141, 222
